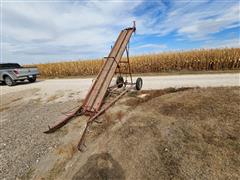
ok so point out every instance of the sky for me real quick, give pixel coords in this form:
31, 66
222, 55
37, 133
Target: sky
51, 31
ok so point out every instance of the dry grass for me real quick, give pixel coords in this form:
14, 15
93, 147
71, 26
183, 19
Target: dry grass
8, 102
67, 150
52, 98
120, 115
195, 60
172, 134
150, 94
55, 171
106, 121
4, 108
37, 100
192, 134
17, 99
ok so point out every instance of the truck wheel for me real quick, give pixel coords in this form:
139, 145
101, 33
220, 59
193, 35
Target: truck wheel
8, 81
120, 81
32, 79
139, 83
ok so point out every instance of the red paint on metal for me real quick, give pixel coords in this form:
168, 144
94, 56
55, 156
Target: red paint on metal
94, 99
95, 96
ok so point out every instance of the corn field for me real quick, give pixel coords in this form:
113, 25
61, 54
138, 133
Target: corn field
195, 60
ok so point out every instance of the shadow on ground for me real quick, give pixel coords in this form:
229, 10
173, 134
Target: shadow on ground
100, 166
20, 83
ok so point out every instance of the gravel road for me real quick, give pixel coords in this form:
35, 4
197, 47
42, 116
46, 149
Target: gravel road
50, 87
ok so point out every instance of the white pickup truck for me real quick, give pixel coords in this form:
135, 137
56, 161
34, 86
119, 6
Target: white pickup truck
10, 73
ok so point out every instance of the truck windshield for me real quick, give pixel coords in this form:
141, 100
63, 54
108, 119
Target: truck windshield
9, 66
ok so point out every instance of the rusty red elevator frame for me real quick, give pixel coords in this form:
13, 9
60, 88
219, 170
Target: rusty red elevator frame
93, 103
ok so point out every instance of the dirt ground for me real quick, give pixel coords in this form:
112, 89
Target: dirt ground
186, 133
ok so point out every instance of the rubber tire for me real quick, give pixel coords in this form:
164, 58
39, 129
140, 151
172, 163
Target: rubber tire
8, 81
139, 84
120, 81
33, 79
